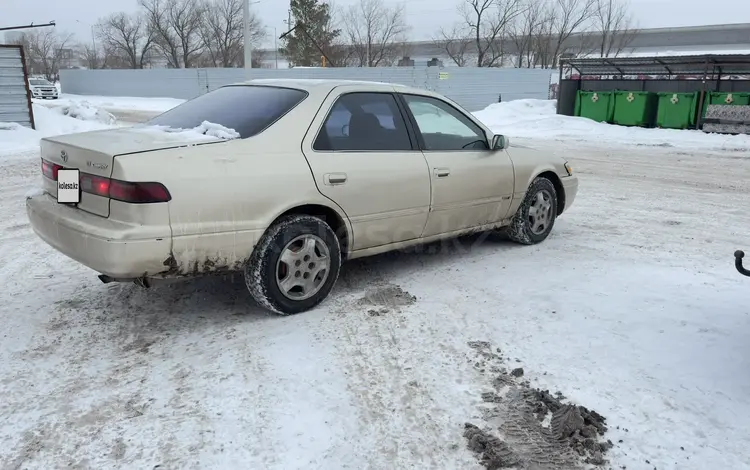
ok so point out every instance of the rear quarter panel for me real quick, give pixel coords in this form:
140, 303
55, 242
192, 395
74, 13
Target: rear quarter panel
225, 195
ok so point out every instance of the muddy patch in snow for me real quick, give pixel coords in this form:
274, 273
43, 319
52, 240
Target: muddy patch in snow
527, 428
383, 299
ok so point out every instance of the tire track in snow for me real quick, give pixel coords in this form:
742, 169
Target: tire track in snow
389, 355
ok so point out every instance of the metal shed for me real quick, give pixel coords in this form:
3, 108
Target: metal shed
15, 98
728, 73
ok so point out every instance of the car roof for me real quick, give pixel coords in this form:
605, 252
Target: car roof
323, 84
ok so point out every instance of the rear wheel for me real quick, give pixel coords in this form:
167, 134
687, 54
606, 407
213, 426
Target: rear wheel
295, 265
535, 218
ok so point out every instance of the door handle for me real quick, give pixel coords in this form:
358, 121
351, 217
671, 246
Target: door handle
442, 172
332, 179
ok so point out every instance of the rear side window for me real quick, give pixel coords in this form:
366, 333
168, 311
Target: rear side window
364, 122
246, 109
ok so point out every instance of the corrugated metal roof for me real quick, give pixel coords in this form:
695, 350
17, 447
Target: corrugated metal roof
724, 64
14, 101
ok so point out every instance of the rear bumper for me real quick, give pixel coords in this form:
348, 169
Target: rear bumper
570, 186
108, 247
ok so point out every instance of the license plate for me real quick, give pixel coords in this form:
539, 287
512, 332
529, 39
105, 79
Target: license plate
68, 186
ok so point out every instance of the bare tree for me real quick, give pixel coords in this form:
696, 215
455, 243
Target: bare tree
456, 43
90, 57
222, 32
376, 33
525, 29
488, 22
48, 51
543, 43
570, 16
127, 36
176, 25
339, 51
614, 25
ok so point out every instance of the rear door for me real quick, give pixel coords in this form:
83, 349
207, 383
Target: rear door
471, 184
365, 158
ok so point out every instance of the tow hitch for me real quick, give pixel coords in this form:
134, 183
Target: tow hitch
738, 255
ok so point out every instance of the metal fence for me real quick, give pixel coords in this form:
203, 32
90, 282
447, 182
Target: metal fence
15, 104
473, 88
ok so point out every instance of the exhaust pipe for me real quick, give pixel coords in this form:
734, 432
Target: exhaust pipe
140, 281
145, 282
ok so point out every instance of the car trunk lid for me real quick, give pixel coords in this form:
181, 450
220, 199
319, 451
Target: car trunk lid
94, 153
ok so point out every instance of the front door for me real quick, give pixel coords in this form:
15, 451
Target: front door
365, 159
471, 184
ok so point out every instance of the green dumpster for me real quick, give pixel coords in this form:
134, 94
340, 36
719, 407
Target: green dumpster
720, 97
596, 105
677, 110
635, 108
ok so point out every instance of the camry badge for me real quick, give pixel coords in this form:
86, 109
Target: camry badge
98, 166
64, 155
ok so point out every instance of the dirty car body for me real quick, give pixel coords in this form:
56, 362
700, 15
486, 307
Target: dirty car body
323, 171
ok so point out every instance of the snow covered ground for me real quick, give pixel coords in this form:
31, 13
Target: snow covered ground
632, 308
534, 118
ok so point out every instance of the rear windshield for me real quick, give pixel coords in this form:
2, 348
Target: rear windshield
246, 109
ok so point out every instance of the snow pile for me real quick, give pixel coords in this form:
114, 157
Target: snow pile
537, 119
17, 139
124, 103
206, 131
217, 130
84, 111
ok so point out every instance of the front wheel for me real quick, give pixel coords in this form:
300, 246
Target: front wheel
536, 216
295, 265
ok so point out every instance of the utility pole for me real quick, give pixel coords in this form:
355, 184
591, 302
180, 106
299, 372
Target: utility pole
247, 41
276, 47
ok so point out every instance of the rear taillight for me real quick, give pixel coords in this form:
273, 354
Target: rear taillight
50, 169
138, 192
125, 191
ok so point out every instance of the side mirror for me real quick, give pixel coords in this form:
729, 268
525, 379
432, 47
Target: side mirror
500, 142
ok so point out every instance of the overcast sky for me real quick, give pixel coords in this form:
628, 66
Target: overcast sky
424, 16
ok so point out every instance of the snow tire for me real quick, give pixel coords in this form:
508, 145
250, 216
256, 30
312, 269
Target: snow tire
261, 268
520, 228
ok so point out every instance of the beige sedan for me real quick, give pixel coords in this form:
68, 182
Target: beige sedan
285, 179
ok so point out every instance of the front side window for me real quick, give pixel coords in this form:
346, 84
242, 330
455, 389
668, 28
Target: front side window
443, 127
364, 122
248, 109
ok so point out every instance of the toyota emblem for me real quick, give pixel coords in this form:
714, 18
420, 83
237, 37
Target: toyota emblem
64, 155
